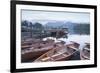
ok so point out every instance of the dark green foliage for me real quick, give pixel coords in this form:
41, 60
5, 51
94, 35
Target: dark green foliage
82, 29
37, 30
30, 29
24, 23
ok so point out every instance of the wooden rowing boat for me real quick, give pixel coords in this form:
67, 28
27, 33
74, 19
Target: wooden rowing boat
59, 53
85, 52
35, 50
29, 43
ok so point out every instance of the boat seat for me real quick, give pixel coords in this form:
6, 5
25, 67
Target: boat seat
85, 57
74, 48
44, 59
65, 54
87, 49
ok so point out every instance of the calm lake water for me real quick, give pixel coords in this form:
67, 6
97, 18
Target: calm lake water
81, 39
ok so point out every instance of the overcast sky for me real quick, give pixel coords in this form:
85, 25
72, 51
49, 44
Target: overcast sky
44, 16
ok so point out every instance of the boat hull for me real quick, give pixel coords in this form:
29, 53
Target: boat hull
30, 56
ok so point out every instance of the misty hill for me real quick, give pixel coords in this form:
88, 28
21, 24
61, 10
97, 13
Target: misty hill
73, 28
55, 24
60, 24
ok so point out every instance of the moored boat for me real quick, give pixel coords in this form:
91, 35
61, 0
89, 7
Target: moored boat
35, 50
59, 53
85, 52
